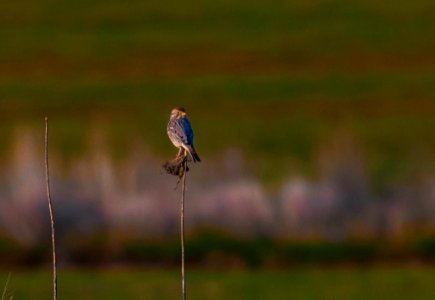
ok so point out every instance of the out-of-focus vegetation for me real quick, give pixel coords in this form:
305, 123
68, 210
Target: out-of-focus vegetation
222, 251
277, 79
334, 284
315, 121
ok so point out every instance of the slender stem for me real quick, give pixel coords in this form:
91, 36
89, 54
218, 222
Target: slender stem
50, 208
6, 287
183, 278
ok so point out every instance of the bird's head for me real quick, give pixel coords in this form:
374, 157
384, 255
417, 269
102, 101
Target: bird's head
178, 112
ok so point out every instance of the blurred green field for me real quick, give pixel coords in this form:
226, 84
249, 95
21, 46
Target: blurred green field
284, 81
285, 76
335, 284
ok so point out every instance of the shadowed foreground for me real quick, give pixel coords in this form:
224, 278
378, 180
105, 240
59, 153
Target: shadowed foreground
379, 283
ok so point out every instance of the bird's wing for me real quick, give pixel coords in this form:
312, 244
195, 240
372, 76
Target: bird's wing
188, 131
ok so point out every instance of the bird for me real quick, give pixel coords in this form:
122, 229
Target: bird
181, 134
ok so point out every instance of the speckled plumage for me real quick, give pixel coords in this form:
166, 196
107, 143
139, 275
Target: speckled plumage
180, 132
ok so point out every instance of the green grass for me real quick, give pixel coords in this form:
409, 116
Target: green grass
335, 284
112, 27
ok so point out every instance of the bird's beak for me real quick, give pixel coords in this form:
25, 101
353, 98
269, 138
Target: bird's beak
182, 113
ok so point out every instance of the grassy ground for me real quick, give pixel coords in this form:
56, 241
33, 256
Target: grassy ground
335, 284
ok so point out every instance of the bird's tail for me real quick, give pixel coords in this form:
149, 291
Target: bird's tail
193, 154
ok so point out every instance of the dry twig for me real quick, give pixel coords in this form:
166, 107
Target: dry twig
183, 190
178, 167
50, 208
6, 287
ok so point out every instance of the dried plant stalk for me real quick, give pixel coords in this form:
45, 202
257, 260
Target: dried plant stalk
183, 192
6, 287
50, 208
178, 167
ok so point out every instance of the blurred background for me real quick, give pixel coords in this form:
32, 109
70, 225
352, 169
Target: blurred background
314, 120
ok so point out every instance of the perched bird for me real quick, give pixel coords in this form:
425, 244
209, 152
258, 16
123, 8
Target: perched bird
181, 134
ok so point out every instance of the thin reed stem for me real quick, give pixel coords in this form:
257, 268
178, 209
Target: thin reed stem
50, 208
183, 192
6, 287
